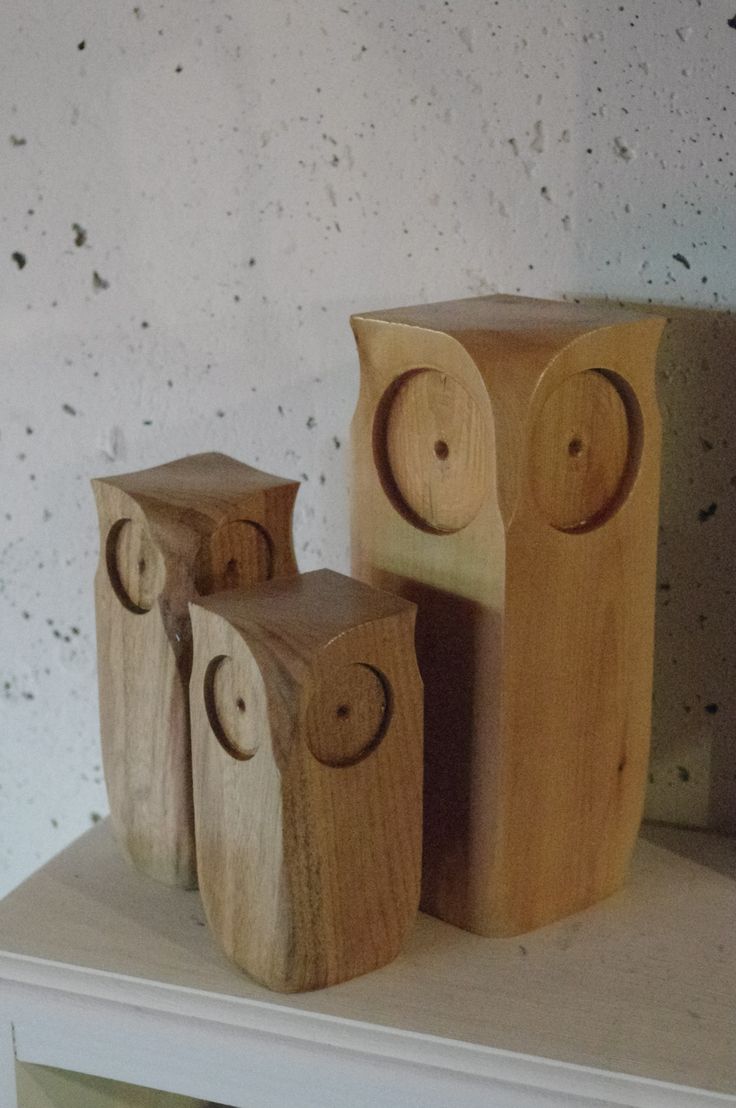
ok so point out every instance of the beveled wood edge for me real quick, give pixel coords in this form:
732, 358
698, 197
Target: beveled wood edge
329, 1032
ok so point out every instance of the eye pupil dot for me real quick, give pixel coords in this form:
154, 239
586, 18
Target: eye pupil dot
240, 704
441, 449
343, 711
575, 447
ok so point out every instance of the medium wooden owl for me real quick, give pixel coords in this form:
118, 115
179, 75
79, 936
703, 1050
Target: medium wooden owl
169, 535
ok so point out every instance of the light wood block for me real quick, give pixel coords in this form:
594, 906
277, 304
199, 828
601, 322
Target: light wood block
169, 534
629, 1003
306, 709
506, 475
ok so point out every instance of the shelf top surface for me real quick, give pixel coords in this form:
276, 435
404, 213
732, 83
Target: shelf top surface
642, 984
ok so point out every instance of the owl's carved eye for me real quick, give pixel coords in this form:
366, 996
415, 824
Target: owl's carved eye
585, 447
233, 708
431, 451
348, 714
134, 565
238, 553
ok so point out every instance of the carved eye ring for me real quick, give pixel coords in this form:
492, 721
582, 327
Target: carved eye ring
135, 566
431, 451
227, 707
585, 449
348, 714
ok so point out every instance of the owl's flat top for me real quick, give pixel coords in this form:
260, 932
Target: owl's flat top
314, 606
194, 478
502, 313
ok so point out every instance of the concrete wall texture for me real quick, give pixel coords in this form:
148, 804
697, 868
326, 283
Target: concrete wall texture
195, 196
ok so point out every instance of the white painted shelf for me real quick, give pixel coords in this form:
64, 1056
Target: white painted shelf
630, 1003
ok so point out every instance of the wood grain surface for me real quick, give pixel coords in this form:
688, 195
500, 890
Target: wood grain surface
535, 621
639, 985
307, 764
168, 535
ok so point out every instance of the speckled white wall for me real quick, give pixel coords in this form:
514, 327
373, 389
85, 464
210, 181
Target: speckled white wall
195, 195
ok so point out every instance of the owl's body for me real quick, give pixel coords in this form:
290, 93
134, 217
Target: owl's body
168, 535
506, 456
307, 763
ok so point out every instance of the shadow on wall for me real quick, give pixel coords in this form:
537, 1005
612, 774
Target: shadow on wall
693, 767
706, 848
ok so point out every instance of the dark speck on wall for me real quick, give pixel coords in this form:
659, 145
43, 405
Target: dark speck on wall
81, 45
17, 140
311, 422
706, 513
178, 69
80, 235
682, 260
98, 282
251, 261
732, 23
683, 773
68, 409
19, 259
711, 709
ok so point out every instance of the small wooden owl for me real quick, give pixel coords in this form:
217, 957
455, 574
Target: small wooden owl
307, 764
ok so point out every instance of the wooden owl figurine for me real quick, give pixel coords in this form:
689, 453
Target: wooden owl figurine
506, 476
168, 535
307, 761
